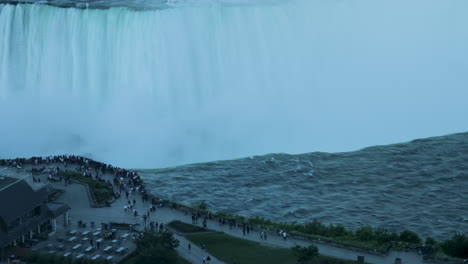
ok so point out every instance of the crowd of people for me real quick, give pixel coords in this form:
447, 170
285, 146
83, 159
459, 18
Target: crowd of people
125, 182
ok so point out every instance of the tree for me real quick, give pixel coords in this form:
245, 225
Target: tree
153, 238
457, 246
156, 247
305, 254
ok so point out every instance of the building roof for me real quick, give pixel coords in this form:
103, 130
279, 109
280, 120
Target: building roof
5, 181
57, 209
18, 198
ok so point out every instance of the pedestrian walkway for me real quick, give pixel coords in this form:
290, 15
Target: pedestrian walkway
75, 195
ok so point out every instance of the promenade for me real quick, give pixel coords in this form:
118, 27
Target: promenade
76, 197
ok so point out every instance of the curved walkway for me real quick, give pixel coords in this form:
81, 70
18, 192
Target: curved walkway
75, 195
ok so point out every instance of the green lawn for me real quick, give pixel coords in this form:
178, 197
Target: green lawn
234, 250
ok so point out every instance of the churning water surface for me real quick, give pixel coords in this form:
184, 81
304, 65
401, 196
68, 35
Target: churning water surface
421, 185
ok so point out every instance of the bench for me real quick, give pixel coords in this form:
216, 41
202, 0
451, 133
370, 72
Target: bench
108, 249
76, 247
121, 250
89, 249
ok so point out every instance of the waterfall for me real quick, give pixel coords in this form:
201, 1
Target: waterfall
152, 88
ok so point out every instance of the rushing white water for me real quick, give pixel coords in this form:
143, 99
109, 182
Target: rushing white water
164, 87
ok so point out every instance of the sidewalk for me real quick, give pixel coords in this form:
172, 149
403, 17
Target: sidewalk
75, 195
77, 198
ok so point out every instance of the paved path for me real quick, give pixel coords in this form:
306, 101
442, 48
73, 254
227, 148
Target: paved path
77, 198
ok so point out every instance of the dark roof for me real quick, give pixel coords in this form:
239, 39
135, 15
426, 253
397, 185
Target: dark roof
18, 198
57, 209
5, 181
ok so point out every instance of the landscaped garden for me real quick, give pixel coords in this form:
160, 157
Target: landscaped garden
100, 191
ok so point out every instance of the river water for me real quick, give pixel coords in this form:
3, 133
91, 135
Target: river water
421, 185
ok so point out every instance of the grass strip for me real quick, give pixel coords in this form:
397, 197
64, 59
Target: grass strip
233, 250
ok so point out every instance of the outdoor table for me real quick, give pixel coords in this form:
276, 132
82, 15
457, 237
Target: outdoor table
72, 239
84, 239
109, 258
73, 232
80, 256
85, 233
96, 257
52, 252
98, 229
76, 247
124, 236
67, 254
99, 240
50, 245
97, 233
89, 249
108, 249
60, 247
115, 241
121, 250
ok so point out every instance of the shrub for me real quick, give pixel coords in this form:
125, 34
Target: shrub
381, 235
101, 195
315, 228
457, 246
430, 241
305, 254
410, 237
365, 233
336, 231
